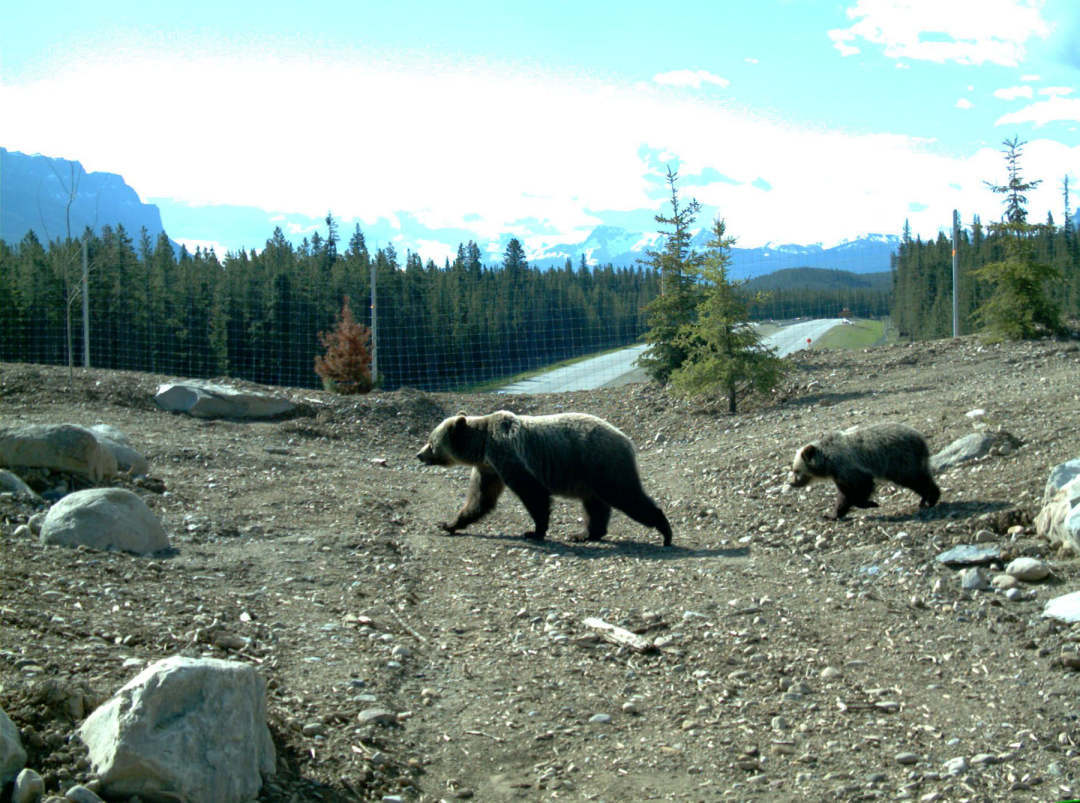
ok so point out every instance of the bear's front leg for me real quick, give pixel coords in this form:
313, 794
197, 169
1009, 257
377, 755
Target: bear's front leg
485, 487
533, 495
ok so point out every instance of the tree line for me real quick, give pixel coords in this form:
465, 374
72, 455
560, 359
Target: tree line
258, 315
1014, 278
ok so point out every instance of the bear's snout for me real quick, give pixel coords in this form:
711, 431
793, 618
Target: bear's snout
426, 455
798, 480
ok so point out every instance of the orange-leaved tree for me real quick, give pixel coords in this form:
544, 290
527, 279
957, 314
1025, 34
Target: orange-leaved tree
346, 366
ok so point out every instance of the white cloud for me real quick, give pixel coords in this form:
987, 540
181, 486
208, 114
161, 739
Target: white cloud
1013, 92
1057, 109
1056, 91
964, 31
406, 137
750, 60
964, 103
690, 78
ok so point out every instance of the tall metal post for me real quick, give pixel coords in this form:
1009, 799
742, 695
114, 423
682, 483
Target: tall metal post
955, 285
374, 330
85, 308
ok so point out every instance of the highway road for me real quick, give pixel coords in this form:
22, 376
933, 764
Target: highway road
616, 366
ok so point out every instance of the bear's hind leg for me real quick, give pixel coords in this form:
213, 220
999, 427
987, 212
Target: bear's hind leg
597, 516
485, 487
645, 511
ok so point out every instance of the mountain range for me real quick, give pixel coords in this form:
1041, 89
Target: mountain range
35, 192
57, 198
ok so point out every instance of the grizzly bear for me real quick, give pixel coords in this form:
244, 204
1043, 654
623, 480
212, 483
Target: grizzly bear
569, 454
854, 458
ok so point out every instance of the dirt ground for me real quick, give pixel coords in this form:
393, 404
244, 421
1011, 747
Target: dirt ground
791, 657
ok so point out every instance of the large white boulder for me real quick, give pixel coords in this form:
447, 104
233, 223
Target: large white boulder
972, 447
210, 400
60, 447
117, 442
1059, 518
104, 518
12, 754
13, 484
186, 729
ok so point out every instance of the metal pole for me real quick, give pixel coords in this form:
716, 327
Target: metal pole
85, 308
955, 293
374, 330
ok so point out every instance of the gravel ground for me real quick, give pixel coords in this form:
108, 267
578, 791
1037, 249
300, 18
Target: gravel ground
789, 657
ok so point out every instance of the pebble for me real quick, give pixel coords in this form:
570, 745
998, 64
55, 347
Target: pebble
780, 724
630, 707
80, 794
907, 758
974, 579
600, 719
1030, 570
956, 766
1003, 582
982, 759
376, 716
830, 673
29, 787
22, 531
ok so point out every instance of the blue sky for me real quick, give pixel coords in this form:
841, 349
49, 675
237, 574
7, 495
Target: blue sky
796, 120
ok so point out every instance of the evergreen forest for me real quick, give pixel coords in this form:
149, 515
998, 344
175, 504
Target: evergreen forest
257, 315
922, 293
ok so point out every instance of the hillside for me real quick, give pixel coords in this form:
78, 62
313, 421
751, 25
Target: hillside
820, 279
797, 658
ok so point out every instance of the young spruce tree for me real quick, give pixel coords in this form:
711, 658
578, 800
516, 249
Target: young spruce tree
723, 351
674, 308
1020, 305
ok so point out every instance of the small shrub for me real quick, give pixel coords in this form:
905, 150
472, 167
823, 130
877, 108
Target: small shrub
346, 366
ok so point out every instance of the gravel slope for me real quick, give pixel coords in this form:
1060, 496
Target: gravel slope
791, 657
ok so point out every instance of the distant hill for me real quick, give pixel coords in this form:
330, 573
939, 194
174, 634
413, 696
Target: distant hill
820, 279
35, 190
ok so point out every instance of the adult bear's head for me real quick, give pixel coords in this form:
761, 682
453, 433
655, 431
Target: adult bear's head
458, 439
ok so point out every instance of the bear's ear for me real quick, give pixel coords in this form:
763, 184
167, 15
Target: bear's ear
462, 413
808, 453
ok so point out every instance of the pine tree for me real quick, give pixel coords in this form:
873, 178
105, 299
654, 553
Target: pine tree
724, 351
677, 265
346, 366
1020, 305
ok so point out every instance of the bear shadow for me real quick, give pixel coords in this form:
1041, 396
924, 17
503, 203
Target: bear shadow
964, 509
607, 547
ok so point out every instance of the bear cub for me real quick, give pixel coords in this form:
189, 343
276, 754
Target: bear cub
569, 454
854, 458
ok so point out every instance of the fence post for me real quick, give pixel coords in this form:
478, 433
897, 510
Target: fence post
85, 308
955, 290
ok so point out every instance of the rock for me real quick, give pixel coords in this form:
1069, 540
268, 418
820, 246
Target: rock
1065, 608
29, 787
127, 459
59, 447
604, 719
972, 447
1060, 475
13, 484
377, 716
1003, 582
1029, 570
80, 794
186, 728
969, 555
12, 755
906, 758
104, 518
210, 400
956, 766
1059, 519
974, 579
830, 673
